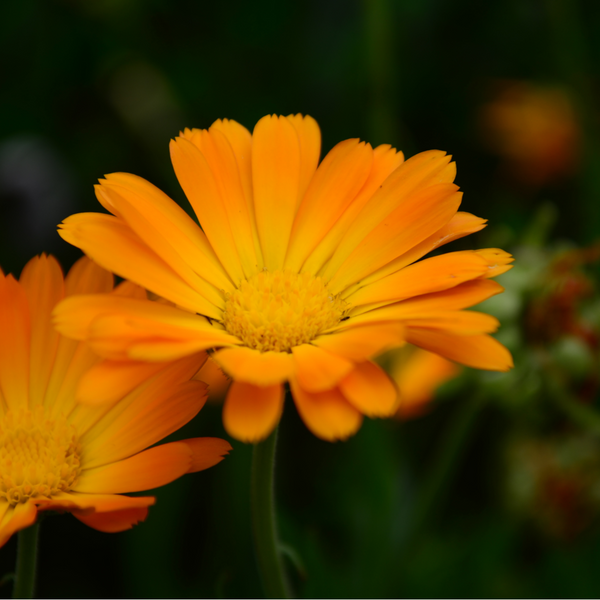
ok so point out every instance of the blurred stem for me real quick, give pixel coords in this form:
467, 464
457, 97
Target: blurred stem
263, 519
27, 547
453, 444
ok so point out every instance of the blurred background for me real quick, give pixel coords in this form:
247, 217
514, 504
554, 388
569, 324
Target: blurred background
486, 485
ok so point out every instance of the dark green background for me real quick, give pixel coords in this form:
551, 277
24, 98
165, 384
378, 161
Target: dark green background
90, 87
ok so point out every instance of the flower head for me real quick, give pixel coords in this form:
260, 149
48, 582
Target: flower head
56, 454
301, 272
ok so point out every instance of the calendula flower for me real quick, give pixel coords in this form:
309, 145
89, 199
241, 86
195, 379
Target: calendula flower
56, 454
301, 272
418, 374
534, 129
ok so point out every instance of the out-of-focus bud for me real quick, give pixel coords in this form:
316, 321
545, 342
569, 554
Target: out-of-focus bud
534, 129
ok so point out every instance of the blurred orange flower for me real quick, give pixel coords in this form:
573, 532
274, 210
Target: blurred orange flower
301, 272
58, 455
418, 374
534, 129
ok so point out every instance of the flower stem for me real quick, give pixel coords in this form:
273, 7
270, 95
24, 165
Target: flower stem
263, 519
27, 547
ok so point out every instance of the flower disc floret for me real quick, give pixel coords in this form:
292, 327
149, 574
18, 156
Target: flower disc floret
279, 310
39, 456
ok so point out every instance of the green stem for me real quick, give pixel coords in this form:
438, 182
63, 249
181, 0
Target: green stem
27, 547
263, 519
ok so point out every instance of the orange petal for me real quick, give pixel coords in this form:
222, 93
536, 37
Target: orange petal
420, 215
15, 345
252, 366
164, 227
93, 503
198, 182
360, 343
206, 452
427, 276
111, 380
461, 224
462, 296
334, 186
418, 376
409, 179
107, 240
43, 282
309, 137
317, 369
88, 277
276, 170
478, 351
498, 261
240, 140
15, 519
369, 389
221, 160
457, 322
385, 160
118, 327
327, 414
252, 412
145, 471
113, 522
141, 419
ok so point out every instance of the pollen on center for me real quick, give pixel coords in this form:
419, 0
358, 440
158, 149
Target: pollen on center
39, 456
279, 310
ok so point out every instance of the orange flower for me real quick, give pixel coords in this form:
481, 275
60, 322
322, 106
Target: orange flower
418, 374
56, 454
535, 129
301, 272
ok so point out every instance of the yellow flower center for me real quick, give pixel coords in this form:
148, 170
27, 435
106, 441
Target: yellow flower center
39, 456
280, 310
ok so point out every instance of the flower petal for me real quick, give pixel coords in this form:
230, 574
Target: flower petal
15, 326
21, 516
252, 366
360, 343
198, 182
430, 275
206, 452
317, 369
276, 170
165, 227
369, 389
111, 380
327, 414
221, 160
43, 282
107, 240
462, 296
478, 351
145, 471
117, 327
334, 186
115, 521
252, 412
152, 411
409, 179
420, 215
309, 137
461, 224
